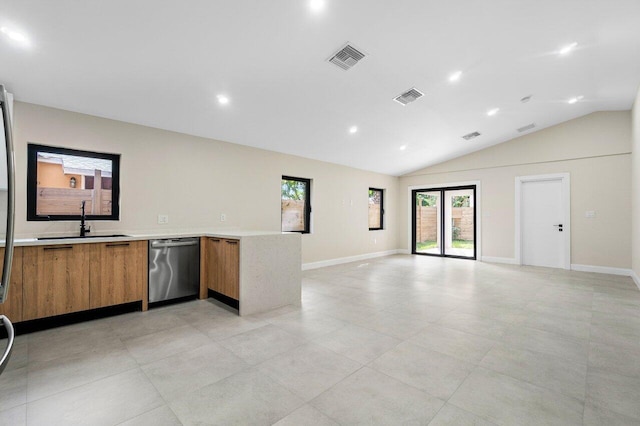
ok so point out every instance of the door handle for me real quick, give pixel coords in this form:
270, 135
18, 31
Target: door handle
116, 244
10, 173
161, 244
4, 360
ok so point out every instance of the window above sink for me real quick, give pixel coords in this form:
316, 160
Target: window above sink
60, 179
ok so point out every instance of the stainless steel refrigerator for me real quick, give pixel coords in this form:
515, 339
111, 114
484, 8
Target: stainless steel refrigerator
7, 209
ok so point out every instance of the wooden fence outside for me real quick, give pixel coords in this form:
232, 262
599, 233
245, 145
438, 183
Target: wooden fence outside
374, 216
67, 201
427, 223
292, 215
463, 219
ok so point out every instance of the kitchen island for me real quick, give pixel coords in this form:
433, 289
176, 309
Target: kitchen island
267, 264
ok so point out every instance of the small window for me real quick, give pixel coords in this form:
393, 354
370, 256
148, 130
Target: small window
295, 204
376, 209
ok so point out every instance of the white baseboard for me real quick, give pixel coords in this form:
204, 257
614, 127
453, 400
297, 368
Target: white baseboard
507, 260
341, 260
601, 269
636, 278
489, 259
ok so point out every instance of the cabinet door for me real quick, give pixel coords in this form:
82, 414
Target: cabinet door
213, 263
55, 280
12, 307
117, 272
231, 268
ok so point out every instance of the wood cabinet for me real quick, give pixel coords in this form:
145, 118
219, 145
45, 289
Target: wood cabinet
220, 265
55, 280
12, 306
66, 278
230, 268
118, 273
210, 261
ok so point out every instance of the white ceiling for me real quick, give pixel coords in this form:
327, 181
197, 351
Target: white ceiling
162, 63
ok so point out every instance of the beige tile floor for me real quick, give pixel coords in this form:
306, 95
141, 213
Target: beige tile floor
396, 340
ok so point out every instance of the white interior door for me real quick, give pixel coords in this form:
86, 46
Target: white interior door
542, 223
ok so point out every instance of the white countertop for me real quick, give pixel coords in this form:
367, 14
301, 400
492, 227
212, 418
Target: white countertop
53, 240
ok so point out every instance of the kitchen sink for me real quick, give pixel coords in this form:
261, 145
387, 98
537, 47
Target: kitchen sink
78, 237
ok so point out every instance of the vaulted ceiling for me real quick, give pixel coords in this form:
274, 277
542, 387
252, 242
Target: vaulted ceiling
167, 64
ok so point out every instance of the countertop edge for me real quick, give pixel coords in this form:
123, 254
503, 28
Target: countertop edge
240, 235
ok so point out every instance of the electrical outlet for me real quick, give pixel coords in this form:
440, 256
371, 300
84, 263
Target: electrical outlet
163, 218
590, 214
223, 217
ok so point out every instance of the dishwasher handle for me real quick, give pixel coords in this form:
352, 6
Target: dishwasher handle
162, 244
7, 352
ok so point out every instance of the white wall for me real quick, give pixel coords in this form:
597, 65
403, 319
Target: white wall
194, 180
635, 170
594, 149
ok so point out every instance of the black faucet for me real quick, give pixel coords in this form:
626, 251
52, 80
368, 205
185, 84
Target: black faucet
84, 230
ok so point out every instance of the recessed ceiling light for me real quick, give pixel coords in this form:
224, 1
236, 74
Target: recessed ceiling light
576, 99
353, 129
316, 5
568, 48
455, 76
403, 147
493, 112
14, 35
223, 100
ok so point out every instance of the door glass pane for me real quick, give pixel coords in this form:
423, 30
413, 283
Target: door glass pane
427, 225
459, 230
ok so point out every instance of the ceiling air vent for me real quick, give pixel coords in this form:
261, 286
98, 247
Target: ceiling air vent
409, 96
471, 136
527, 127
346, 57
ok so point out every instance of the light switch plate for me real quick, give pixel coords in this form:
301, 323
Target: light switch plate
163, 218
590, 214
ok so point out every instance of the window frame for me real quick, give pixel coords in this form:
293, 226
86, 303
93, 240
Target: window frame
32, 185
307, 203
381, 209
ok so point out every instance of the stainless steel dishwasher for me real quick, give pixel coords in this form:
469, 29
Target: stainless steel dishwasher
174, 268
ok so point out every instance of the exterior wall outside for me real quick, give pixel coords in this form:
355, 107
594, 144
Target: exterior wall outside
594, 149
52, 176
